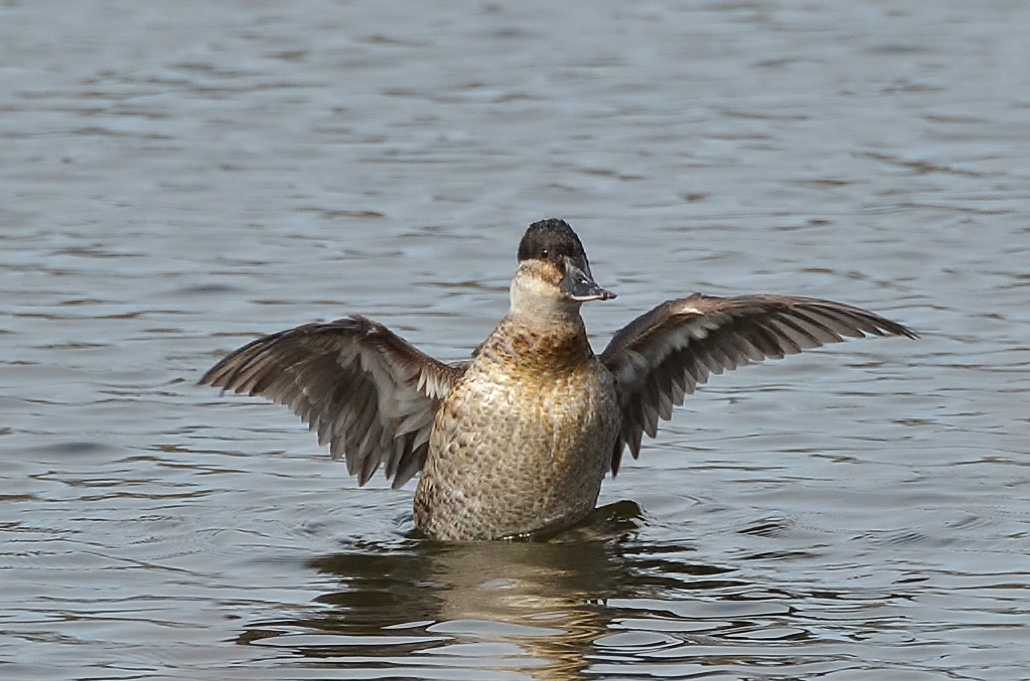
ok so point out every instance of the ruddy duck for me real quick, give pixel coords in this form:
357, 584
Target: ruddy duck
516, 441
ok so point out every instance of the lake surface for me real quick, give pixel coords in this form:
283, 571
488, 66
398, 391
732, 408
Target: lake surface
180, 177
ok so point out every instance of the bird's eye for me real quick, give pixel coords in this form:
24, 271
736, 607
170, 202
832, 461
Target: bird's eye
543, 253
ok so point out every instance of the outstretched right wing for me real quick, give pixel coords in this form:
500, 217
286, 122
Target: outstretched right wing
366, 391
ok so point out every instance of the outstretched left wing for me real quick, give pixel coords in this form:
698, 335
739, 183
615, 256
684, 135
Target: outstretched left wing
663, 355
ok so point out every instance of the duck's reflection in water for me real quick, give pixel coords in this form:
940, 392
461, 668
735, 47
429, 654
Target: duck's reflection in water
420, 608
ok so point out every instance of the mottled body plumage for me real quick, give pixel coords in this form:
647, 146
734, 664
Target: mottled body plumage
536, 411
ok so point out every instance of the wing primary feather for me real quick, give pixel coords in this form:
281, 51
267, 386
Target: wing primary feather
844, 324
819, 333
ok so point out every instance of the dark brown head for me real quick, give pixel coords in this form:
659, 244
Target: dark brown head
552, 253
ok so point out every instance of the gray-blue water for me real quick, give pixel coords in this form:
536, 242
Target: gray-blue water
179, 177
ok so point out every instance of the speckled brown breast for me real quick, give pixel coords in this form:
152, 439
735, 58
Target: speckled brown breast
522, 442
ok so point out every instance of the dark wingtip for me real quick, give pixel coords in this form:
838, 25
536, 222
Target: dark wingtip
886, 327
902, 330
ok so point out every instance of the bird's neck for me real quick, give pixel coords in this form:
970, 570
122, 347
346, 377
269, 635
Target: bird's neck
539, 345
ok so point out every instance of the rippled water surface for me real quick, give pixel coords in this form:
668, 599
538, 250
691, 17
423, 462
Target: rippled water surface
179, 177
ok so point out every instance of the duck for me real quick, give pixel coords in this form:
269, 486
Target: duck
515, 442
